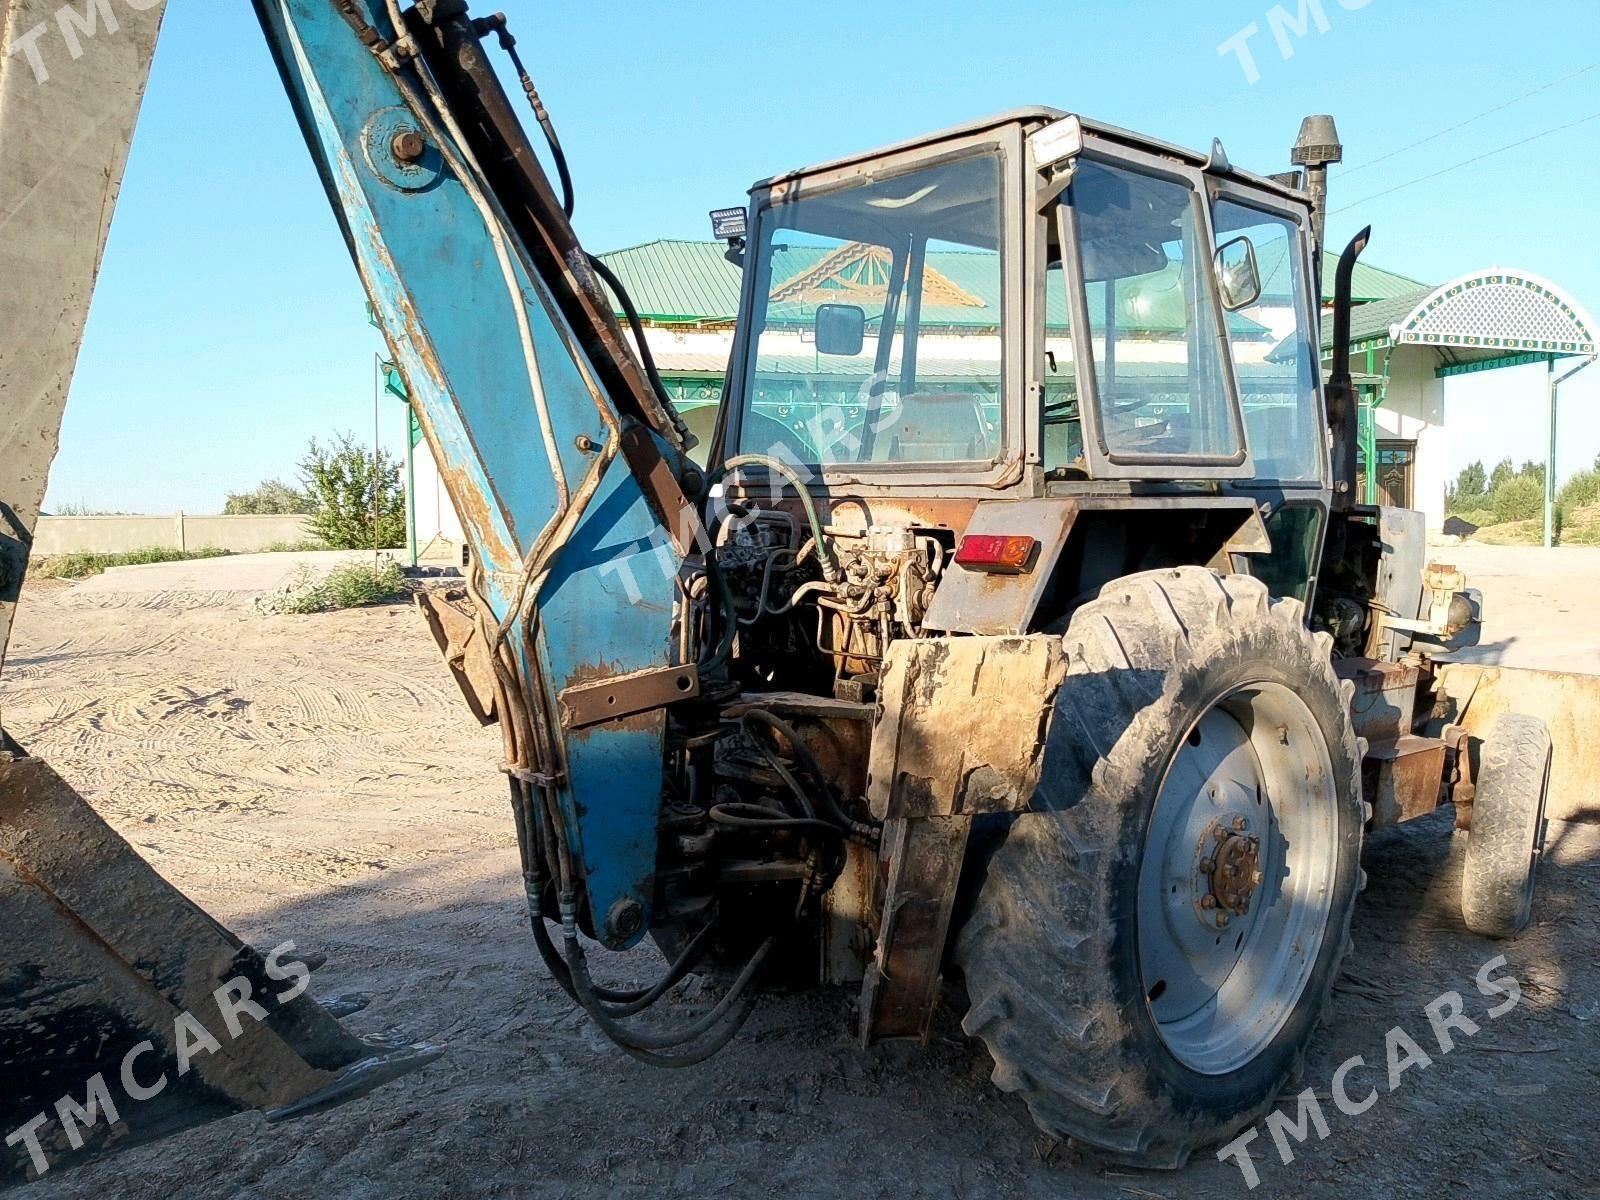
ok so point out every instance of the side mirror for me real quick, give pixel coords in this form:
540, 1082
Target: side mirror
1238, 276
841, 329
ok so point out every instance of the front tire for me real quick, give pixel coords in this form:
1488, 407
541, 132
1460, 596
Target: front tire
1506, 839
1135, 982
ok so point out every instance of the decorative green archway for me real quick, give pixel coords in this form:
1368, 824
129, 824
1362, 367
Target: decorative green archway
1504, 318
1501, 313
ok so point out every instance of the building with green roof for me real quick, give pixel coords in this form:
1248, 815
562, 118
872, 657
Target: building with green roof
1410, 338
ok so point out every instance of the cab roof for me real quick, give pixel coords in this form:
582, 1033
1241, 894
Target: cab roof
1033, 117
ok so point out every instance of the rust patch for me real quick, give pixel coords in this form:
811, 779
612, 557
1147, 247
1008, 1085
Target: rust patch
1402, 778
457, 634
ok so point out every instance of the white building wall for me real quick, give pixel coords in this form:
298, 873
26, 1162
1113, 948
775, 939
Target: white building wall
1415, 411
435, 516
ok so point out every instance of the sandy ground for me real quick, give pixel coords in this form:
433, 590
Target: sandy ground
1539, 605
317, 778
203, 582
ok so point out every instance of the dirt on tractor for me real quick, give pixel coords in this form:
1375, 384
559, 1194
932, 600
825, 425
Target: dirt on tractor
317, 778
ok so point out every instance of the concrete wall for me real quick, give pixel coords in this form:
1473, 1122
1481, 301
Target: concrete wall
114, 535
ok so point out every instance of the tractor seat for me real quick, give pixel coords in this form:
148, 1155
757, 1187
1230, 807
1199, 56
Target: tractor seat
938, 426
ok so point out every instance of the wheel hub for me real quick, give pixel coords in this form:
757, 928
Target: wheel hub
1230, 873
1236, 882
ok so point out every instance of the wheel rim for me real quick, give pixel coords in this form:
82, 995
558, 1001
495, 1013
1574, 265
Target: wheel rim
1237, 880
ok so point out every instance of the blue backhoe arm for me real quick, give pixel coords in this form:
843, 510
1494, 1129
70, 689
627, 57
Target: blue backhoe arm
559, 456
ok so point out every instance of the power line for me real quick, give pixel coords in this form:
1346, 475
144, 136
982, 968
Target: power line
1488, 112
1467, 162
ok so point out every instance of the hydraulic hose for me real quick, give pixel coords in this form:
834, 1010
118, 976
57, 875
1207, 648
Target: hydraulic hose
855, 830
830, 568
672, 1039
754, 816
730, 615
499, 26
604, 1006
635, 324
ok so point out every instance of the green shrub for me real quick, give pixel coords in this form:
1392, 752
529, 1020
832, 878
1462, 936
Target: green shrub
1469, 492
78, 508
1504, 472
1462, 503
1581, 491
1519, 498
1472, 481
348, 585
81, 566
357, 498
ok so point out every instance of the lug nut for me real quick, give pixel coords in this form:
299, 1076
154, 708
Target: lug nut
1222, 920
1207, 867
1208, 901
1238, 824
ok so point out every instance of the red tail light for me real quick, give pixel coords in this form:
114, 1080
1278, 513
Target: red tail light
999, 553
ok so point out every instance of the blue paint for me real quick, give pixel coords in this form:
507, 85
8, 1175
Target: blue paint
441, 297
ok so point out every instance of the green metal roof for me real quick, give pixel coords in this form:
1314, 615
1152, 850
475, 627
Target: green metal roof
690, 282
1369, 284
678, 282
1368, 321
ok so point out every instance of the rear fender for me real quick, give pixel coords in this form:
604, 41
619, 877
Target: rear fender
960, 733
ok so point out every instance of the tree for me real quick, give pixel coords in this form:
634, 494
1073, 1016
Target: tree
1534, 471
350, 487
1502, 473
1581, 491
1473, 480
271, 497
1469, 493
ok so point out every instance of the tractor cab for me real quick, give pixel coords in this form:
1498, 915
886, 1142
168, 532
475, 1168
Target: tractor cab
1037, 307
1026, 305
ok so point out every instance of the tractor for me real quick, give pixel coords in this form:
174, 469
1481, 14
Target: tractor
1016, 635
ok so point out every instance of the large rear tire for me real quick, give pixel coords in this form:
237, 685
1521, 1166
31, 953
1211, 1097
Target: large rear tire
1506, 839
1152, 947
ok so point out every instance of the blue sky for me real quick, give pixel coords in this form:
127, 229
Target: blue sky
229, 325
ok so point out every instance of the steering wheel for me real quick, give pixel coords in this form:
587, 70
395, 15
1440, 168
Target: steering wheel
775, 439
1119, 403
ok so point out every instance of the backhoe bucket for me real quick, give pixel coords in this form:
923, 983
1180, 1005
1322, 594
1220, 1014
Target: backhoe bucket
127, 1013
1568, 703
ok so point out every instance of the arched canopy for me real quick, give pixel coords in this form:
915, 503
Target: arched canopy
1499, 312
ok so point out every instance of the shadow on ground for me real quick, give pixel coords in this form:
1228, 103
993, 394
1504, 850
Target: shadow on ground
530, 1101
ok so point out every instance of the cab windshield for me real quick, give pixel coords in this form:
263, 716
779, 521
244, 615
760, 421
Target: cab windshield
876, 335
